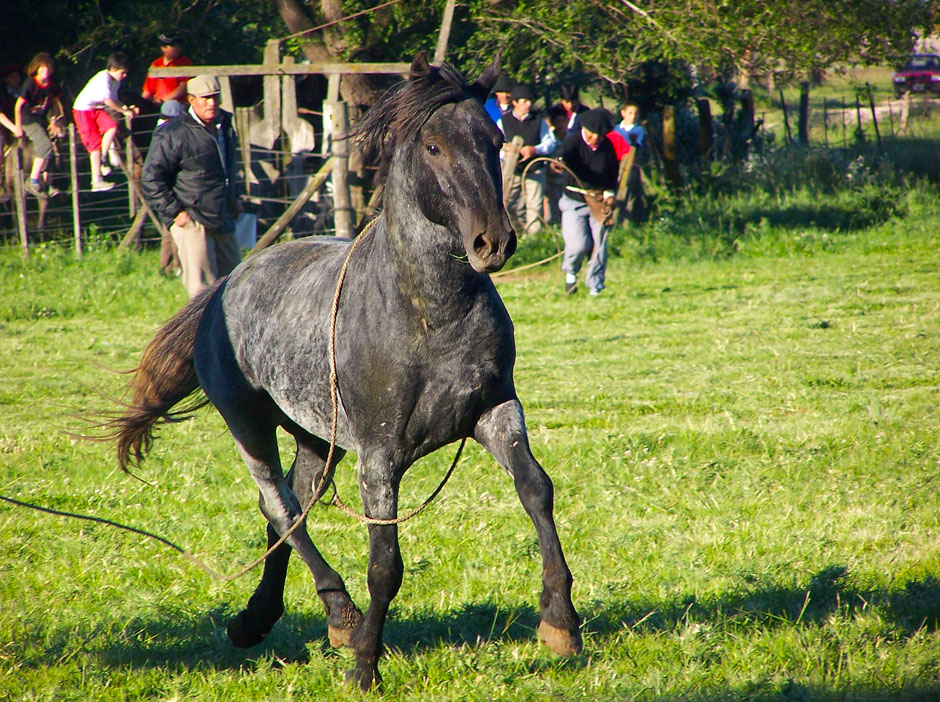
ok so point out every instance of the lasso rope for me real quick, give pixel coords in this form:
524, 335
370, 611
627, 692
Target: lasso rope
317, 491
537, 159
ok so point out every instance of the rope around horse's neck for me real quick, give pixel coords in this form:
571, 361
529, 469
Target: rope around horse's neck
334, 398
318, 491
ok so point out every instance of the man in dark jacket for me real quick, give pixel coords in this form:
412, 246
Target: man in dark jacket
524, 199
189, 182
591, 181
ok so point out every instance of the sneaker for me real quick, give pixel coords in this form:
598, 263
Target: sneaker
34, 188
571, 284
100, 186
595, 293
105, 170
52, 191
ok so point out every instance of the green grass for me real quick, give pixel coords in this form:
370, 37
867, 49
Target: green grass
743, 444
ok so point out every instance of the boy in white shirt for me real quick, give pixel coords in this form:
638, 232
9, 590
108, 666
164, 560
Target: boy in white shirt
95, 125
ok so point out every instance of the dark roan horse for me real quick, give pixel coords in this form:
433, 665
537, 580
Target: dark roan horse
424, 353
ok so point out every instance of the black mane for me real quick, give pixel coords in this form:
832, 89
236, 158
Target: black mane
399, 114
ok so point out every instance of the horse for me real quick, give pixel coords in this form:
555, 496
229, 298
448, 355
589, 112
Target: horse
424, 353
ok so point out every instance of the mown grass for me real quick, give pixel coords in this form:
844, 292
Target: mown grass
742, 436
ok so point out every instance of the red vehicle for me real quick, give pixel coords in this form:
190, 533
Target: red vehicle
921, 74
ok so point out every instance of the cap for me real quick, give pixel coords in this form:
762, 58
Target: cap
169, 38
522, 92
203, 86
597, 120
504, 84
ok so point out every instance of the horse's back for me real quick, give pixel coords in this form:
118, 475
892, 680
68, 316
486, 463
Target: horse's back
264, 335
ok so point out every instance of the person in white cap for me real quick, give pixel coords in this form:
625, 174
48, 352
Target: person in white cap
189, 180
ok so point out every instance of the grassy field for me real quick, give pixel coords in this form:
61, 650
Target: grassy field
745, 456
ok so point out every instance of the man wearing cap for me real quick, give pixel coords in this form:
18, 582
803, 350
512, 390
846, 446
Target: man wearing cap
587, 203
501, 101
525, 198
189, 181
168, 93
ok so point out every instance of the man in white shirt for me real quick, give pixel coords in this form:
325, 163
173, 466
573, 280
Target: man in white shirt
95, 125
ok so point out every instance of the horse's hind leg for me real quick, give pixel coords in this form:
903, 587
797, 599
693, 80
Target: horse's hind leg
502, 431
282, 506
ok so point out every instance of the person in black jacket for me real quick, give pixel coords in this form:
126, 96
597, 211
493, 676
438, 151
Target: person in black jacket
587, 202
524, 199
189, 181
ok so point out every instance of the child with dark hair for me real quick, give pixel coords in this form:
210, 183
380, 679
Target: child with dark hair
629, 127
95, 125
38, 98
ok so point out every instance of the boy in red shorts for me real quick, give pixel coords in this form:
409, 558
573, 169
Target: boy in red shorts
95, 125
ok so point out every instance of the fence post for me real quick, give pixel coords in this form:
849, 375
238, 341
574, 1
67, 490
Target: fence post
705, 128
669, 145
20, 196
874, 116
129, 160
803, 124
343, 215
73, 177
786, 118
905, 112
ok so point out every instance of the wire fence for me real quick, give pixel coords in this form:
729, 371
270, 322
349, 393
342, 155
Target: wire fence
74, 213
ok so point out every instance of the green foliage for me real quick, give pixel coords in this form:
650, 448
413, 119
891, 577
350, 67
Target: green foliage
81, 34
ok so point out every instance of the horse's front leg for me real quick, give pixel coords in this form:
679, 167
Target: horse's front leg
378, 487
501, 430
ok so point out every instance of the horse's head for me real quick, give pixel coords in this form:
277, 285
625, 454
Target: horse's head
446, 147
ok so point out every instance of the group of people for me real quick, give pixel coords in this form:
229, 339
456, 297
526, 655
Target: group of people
32, 108
568, 159
189, 175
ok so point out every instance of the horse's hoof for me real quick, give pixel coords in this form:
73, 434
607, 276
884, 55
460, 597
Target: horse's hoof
242, 635
365, 681
340, 638
560, 641
349, 620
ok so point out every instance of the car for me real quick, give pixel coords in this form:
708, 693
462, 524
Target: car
920, 74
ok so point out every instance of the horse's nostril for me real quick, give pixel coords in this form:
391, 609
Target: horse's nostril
482, 245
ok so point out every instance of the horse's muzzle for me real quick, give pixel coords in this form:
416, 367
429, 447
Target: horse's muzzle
490, 252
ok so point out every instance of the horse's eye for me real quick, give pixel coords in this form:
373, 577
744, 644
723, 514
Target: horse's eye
433, 149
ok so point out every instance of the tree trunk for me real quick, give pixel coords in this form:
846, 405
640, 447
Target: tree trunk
355, 89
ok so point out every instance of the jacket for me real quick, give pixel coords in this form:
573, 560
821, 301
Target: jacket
184, 170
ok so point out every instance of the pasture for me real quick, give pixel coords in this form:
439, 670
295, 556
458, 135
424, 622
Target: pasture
745, 457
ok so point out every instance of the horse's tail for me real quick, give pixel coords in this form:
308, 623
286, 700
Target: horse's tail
164, 377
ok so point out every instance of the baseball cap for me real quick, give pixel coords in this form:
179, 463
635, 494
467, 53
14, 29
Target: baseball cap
203, 86
522, 92
169, 38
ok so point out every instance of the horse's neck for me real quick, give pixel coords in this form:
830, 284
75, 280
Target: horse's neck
427, 268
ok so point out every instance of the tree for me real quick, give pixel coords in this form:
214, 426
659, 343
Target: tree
388, 34
613, 39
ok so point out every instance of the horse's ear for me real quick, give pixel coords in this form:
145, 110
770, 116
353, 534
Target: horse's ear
420, 66
484, 84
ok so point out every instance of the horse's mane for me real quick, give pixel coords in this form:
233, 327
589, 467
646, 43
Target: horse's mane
399, 114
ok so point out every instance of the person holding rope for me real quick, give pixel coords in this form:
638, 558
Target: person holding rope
525, 195
586, 205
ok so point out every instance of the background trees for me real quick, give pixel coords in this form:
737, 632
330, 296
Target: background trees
611, 42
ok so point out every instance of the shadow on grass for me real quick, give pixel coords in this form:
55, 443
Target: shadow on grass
174, 639
915, 608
